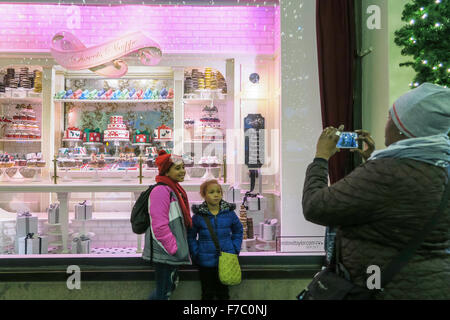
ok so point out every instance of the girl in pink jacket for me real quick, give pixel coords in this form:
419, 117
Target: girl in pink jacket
166, 239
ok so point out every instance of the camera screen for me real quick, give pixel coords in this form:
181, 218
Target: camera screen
347, 140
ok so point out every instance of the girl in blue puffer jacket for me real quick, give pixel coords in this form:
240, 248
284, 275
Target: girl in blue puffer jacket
228, 229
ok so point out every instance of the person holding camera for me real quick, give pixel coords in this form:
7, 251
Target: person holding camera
383, 204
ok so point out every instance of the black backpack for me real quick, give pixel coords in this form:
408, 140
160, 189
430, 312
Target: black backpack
140, 218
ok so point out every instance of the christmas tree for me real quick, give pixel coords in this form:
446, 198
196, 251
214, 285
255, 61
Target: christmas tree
426, 37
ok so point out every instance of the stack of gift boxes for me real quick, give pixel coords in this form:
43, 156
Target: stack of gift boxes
27, 240
81, 243
255, 205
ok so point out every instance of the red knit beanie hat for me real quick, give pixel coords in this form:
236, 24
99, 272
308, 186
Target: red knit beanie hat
163, 162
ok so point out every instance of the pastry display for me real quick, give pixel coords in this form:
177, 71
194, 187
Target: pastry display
209, 161
163, 133
243, 218
117, 130
37, 81
210, 128
97, 162
127, 160
23, 125
188, 160
196, 84
22, 78
6, 161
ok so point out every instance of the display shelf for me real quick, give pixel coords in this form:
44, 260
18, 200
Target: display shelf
206, 141
115, 101
93, 187
72, 140
20, 140
21, 100
202, 101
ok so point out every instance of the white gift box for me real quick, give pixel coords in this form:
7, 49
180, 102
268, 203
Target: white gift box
32, 244
257, 203
53, 214
83, 211
233, 195
81, 244
25, 224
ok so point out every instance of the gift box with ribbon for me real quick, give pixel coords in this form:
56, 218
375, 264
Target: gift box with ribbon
32, 244
141, 137
83, 211
255, 202
53, 214
233, 195
25, 224
81, 244
92, 135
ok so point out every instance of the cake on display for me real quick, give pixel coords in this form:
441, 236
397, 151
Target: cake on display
188, 160
141, 137
117, 130
22, 125
209, 161
73, 133
92, 135
163, 133
210, 128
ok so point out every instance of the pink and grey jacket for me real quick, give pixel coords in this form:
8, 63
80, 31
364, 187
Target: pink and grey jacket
167, 229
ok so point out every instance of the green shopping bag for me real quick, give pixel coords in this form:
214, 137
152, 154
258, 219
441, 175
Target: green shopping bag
229, 269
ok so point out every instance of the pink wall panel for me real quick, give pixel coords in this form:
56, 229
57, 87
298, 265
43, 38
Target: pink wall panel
178, 29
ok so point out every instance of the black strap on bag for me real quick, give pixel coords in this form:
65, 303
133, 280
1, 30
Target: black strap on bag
213, 234
337, 285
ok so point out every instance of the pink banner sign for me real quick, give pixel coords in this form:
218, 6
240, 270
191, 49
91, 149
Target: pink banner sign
104, 59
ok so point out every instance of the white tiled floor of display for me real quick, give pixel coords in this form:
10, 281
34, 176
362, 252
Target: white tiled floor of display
118, 251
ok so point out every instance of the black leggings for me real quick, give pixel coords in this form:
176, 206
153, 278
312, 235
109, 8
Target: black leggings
211, 285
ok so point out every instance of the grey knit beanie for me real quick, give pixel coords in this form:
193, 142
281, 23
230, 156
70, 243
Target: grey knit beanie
424, 111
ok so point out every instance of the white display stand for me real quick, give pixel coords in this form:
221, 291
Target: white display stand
247, 244
117, 143
4, 177
92, 146
208, 173
54, 230
141, 146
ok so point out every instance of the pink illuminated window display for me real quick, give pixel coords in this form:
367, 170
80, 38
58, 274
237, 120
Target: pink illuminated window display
145, 112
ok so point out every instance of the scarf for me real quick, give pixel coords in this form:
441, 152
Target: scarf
181, 195
434, 150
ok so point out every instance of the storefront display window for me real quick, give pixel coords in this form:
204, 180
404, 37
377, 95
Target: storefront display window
116, 83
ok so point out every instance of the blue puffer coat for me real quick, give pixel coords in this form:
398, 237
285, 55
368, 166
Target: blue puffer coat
227, 227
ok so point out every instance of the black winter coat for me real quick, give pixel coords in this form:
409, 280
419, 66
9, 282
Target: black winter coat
378, 209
